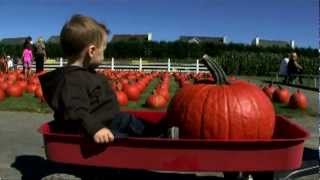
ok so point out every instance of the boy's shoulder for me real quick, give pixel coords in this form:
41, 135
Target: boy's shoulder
81, 75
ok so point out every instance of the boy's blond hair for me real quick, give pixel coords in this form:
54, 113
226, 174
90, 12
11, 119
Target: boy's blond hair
79, 32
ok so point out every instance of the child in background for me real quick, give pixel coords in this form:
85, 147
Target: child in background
9, 63
80, 97
27, 59
3, 64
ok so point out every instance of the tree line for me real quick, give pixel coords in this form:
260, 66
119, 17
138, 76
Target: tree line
236, 58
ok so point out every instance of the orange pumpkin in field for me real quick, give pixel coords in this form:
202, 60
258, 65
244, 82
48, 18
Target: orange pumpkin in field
269, 90
156, 101
298, 100
121, 96
31, 88
225, 110
281, 95
14, 90
132, 91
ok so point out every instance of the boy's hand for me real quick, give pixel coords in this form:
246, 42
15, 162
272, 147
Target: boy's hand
104, 135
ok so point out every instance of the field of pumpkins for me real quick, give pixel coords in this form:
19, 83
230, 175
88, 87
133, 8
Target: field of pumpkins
134, 90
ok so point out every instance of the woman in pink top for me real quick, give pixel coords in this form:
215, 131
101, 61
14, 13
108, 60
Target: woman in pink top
27, 59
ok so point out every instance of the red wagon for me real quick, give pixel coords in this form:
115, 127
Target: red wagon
283, 152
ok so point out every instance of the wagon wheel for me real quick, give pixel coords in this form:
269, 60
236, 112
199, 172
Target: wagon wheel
60, 176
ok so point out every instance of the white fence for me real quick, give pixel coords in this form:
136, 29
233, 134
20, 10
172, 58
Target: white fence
141, 66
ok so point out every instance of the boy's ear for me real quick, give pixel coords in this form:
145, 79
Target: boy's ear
91, 50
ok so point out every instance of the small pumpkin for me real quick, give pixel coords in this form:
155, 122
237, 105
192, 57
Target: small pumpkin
14, 90
224, 110
156, 101
121, 96
269, 90
132, 91
281, 95
298, 100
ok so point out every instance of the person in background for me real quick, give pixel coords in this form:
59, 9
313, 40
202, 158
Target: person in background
283, 70
27, 42
15, 62
27, 57
294, 68
3, 63
9, 63
39, 54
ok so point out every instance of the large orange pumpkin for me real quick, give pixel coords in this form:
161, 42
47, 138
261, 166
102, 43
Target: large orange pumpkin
225, 110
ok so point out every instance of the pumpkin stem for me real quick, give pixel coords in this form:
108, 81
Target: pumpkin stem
215, 70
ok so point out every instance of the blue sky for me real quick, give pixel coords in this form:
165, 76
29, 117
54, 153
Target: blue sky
239, 20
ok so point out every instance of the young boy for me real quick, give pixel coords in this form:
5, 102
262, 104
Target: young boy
79, 96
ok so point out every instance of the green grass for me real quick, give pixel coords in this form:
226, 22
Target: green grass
173, 87
25, 103
285, 110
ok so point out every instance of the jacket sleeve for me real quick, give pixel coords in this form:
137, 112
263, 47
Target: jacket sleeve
77, 107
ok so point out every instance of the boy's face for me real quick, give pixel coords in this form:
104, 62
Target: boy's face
97, 55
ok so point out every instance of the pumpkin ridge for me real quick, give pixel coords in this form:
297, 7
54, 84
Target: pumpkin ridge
228, 111
202, 133
192, 97
240, 108
258, 97
255, 109
209, 115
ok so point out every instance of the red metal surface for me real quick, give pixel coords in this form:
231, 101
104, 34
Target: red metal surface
283, 152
